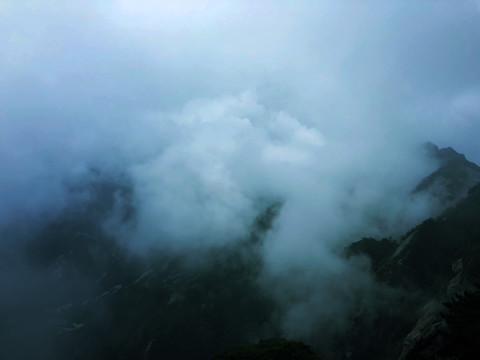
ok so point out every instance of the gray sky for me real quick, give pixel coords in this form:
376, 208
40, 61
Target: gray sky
84, 84
196, 99
214, 104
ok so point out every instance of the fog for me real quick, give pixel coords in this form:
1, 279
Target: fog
212, 109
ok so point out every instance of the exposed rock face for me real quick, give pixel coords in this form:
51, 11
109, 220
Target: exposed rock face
449, 334
438, 250
433, 262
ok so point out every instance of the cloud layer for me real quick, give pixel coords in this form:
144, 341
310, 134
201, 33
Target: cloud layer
212, 108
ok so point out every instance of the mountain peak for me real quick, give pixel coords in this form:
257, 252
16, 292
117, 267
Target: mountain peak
442, 154
430, 148
453, 178
449, 154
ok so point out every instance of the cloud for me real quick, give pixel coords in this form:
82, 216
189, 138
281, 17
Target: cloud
203, 185
212, 107
230, 154
467, 106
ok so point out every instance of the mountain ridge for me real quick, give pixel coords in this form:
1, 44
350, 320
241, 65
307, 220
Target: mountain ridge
102, 301
435, 261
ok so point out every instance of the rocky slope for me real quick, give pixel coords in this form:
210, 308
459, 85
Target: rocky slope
429, 269
94, 299
72, 292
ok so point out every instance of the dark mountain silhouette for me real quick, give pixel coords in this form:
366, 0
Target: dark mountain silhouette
454, 177
75, 293
429, 268
271, 349
101, 301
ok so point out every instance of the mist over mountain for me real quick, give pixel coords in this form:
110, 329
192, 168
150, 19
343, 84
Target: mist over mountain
95, 298
176, 179
427, 269
451, 181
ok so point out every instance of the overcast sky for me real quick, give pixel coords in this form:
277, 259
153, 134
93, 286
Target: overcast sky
155, 86
184, 90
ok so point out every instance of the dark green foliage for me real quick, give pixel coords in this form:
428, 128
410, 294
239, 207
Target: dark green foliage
459, 338
463, 321
376, 250
271, 349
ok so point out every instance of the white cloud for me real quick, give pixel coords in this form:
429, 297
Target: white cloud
210, 106
467, 106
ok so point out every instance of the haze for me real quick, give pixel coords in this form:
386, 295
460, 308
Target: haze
213, 109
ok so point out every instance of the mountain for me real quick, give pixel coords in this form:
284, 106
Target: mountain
86, 297
453, 178
73, 292
430, 273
